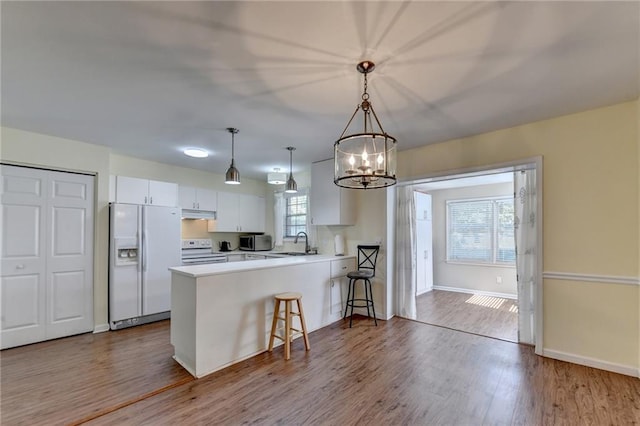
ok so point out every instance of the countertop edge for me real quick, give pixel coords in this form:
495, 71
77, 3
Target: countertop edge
199, 271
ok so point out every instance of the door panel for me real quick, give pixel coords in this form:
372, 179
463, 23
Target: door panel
70, 254
20, 301
424, 244
161, 250
23, 263
69, 226
125, 292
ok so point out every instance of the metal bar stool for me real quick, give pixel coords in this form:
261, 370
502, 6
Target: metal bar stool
367, 257
289, 331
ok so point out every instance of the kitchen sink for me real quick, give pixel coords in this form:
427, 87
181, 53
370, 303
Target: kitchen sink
294, 253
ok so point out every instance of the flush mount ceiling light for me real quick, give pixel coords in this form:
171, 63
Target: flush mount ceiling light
365, 159
276, 177
292, 186
196, 153
233, 175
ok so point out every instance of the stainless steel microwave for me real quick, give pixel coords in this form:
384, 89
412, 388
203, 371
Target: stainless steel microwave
255, 242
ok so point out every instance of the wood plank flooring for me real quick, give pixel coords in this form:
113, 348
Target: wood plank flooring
401, 372
487, 316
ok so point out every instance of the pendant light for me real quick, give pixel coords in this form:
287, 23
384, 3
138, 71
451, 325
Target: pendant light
292, 186
233, 175
365, 159
276, 177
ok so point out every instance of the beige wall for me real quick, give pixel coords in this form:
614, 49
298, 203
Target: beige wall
590, 219
467, 276
62, 154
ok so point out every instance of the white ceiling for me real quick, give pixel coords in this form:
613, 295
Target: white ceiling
151, 78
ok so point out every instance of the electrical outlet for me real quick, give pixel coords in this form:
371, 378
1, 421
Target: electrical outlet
498, 279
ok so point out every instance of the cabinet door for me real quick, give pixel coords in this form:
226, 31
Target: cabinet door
132, 190
330, 204
227, 218
187, 197
163, 193
206, 199
252, 213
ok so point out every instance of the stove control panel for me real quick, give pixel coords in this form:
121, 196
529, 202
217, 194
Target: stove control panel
196, 243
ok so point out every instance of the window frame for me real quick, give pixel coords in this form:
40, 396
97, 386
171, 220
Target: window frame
494, 232
287, 197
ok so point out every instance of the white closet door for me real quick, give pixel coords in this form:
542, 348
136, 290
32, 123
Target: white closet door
23, 256
47, 255
69, 255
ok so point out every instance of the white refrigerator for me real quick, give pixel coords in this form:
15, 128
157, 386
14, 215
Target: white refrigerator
144, 243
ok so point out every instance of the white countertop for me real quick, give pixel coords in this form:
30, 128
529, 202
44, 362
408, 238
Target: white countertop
197, 271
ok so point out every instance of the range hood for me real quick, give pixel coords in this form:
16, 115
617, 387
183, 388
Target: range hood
198, 214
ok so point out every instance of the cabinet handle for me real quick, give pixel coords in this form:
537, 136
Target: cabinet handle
193, 204
198, 205
150, 200
20, 266
145, 199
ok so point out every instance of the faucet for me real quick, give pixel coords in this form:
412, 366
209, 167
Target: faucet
306, 241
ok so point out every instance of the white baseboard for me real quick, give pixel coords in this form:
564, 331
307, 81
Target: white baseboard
101, 328
480, 292
592, 362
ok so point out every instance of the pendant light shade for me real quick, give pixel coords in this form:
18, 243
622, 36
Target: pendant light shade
292, 186
276, 177
367, 158
232, 176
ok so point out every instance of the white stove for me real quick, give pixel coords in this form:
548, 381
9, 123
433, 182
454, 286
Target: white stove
198, 251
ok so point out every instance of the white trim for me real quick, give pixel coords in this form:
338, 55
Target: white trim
472, 291
592, 362
608, 279
101, 328
508, 166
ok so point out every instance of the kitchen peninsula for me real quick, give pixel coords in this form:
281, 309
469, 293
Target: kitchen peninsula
221, 313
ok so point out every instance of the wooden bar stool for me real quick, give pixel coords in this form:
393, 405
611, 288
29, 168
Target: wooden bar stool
289, 331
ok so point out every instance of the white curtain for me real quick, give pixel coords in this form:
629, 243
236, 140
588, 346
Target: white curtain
278, 214
525, 224
405, 252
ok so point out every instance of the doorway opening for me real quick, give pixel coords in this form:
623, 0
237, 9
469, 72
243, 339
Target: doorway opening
475, 251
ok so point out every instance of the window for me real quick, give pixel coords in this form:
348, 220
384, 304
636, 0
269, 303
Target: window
295, 214
481, 231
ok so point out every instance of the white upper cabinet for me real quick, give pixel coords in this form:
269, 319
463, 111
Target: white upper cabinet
144, 191
330, 204
197, 198
239, 213
252, 213
227, 218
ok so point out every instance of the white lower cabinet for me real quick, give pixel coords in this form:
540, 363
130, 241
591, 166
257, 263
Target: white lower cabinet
46, 286
206, 305
339, 282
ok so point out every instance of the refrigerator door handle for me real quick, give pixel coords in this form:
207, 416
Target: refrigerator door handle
144, 250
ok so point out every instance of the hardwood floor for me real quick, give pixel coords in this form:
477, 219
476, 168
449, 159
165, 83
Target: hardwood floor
487, 316
401, 372
66, 380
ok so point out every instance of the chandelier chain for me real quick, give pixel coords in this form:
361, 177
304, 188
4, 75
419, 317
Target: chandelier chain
365, 95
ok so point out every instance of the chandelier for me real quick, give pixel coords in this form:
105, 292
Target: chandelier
365, 159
